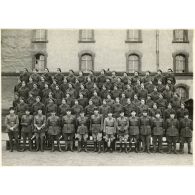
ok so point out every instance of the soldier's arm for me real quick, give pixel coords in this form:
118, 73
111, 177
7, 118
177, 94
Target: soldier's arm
104, 130
23, 121
114, 125
127, 125
17, 122
6, 123
44, 122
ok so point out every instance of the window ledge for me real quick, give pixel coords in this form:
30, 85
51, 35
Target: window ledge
128, 41
180, 41
39, 41
90, 41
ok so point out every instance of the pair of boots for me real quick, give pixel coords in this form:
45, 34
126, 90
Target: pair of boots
110, 148
170, 149
40, 145
80, 146
71, 146
11, 142
97, 147
121, 147
52, 146
24, 145
189, 148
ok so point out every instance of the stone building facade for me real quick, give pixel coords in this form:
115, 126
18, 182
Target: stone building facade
119, 50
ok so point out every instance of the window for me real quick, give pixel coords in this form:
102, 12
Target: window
86, 36
180, 36
133, 63
182, 93
40, 62
40, 35
134, 36
86, 63
180, 62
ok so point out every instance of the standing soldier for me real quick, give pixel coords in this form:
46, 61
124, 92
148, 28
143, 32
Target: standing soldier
27, 127
135, 78
62, 110
101, 79
38, 105
167, 93
82, 131
11, 123
142, 92
158, 131
50, 107
168, 111
47, 76
24, 76
186, 132
77, 109
104, 109
39, 129
30, 84
172, 132
134, 123
54, 131
110, 131
170, 76
69, 100
35, 76
117, 108
159, 76
181, 111
89, 110
81, 77
23, 91
149, 101
122, 126
82, 100
71, 77
96, 99
129, 107
96, 127
59, 76
145, 130
142, 107
129, 92
68, 129
58, 95
35, 91
162, 104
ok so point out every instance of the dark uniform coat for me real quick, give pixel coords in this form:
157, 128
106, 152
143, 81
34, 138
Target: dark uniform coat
145, 125
11, 121
96, 123
53, 125
158, 126
186, 127
134, 123
172, 127
82, 124
68, 124
27, 123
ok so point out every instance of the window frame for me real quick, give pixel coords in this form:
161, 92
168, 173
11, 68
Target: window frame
35, 40
92, 40
185, 87
185, 36
186, 56
134, 41
34, 58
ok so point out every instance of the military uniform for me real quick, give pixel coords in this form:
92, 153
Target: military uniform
35, 77
83, 102
162, 104
41, 85
158, 132
122, 125
134, 123
54, 130
36, 106
101, 80
96, 127
186, 127
63, 109
71, 91
96, 100
172, 133
180, 113
35, 92
25, 76
167, 113
150, 103
70, 101
39, 129
45, 94
141, 108
30, 85
152, 112
123, 101
51, 107
23, 92
155, 96
58, 95
89, 110
27, 128
128, 109
109, 130
129, 93
59, 77
76, 110
116, 93
145, 131
104, 110
85, 92
109, 102
47, 78
150, 87
82, 132
12, 123
108, 85
142, 93
116, 109
167, 94
81, 79
64, 87
71, 78
68, 130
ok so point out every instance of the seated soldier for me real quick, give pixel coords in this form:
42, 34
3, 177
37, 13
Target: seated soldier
71, 77
123, 100
134, 123
82, 131
51, 107
136, 101
12, 123
129, 92
39, 129
81, 77
186, 128
158, 131
116, 108
77, 109
108, 84
27, 128
62, 109
142, 107
104, 92
96, 99
82, 100
89, 110
109, 131
54, 130
181, 111
172, 132
122, 125
168, 111
69, 100
96, 127
162, 104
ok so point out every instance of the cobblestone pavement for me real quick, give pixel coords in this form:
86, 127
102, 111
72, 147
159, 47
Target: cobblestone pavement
91, 158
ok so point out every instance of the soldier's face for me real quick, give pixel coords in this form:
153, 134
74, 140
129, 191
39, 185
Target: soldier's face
37, 99
186, 116
68, 113
21, 100
122, 114
145, 114
39, 112
27, 112
63, 101
82, 114
182, 106
157, 115
96, 112
76, 102
11, 111
23, 84
109, 115
133, 113
172, 115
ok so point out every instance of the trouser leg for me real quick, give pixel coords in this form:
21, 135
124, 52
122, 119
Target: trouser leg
174, 144
148, 137
37, 142
16, 140
155, 142
58, 142
42, 142
169, 141
52, 142
189, 145
182, 140
143, 139
10, 135
24, 141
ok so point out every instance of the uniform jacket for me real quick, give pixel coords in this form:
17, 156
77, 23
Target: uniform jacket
172, 127
158, 126
89, 110
134, 124
122, 125
21, 108
63, 109
27, 123
145, 125
82, 124
186, 127
110, 125
68, 123
38, 105
53, 125
40, 122
11, 121
96, 123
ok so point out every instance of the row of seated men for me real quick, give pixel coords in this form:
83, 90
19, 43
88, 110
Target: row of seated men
104, 130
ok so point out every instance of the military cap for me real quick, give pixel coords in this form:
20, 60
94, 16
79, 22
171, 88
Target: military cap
172, 112
11, 108
158, 112
145, 110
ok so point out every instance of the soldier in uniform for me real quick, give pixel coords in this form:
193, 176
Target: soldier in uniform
142, 107
108, 84
101, 79
149, 101
115, 92
47, 76
64, 86
89, 110
81, 78
170, 76
69, 100
136, 101
158, 76
71, 90
58, 95
38, 105
134, 123
84, 91
30, 84
154, 110
186, 128
27, 128
160, 86
109, 131
89, 86
172, 132
109, 101
122, 127
123, 100
125, 78
82, 100
45, 92
117, 108
11, 123
158, 131
142, 93
167, 93
17, 86
71, 77
181, 111
135, 78
50, 108
129, 107
104, 109
54, 130
150, 87
16, 100
168, 111
39, 129
82, 131
129, 92
59, 77
155, 94
63, 108
68, 129
104, 92
35, 91
41, 83
24, 76
96, 127
162, 104
77, 109
145, 130
96, 99
35, 76
23, 91
175, 101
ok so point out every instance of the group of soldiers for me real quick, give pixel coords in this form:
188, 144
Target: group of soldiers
105, 108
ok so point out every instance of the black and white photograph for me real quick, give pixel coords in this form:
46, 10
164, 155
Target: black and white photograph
97, 97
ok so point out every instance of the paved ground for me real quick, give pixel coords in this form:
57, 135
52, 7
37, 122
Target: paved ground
90, 159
